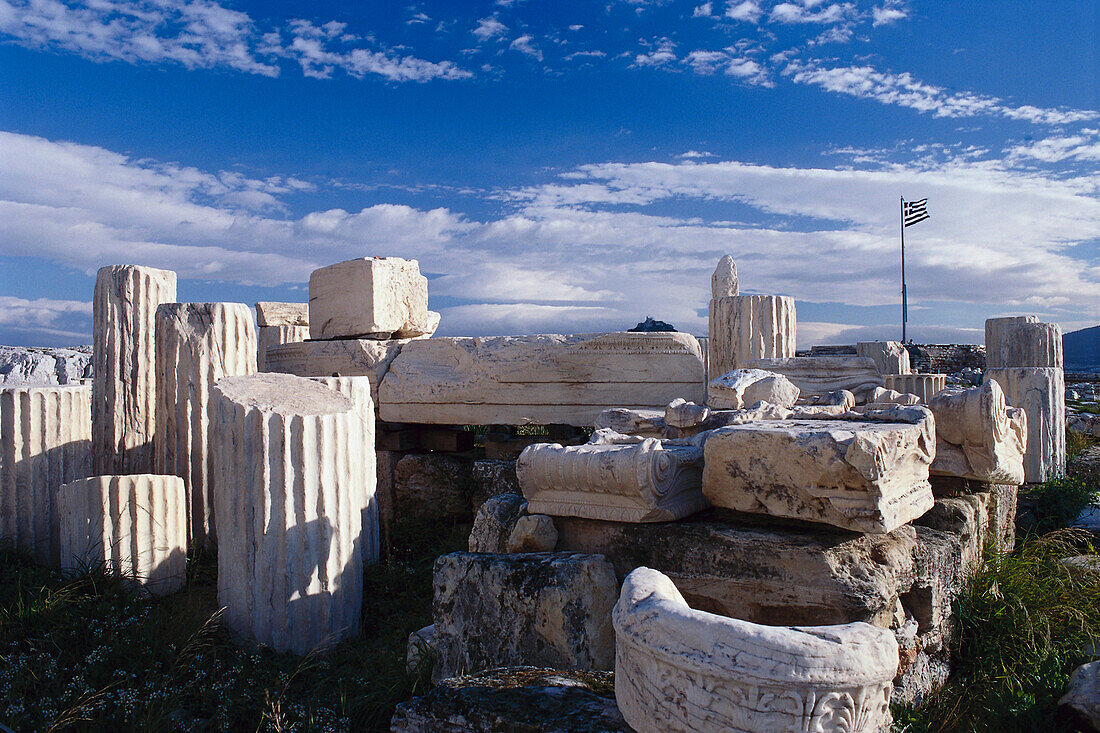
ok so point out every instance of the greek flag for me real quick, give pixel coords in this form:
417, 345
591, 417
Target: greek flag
914, 211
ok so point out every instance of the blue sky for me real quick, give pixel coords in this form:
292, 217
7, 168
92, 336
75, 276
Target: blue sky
558, 167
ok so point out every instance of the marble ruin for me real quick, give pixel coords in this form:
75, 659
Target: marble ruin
196, 345
277, 324
45, 441
678, 669
864, 475
978, 436
1040, 393
290, 559
817, 376
743, 388
369, 358
748, 327
371, 297
924, 386
1022, 341
124, 389
627, 480
133, 525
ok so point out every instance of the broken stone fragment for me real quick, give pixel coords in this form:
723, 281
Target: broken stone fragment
747, 327
282, 314
723, 283
268, 337
1041, 393
819, 375
419, 649
978, 436
495, 521
890, 357
924, 386
1080, 706
680, 669
1024, 343
862, 475
343, 357
683, 414
534, 533
646, 423
742, 388
550, 609
883, 396
370, 297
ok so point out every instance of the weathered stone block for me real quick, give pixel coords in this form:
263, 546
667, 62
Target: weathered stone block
533, 533
978, 436
490, 478
135, 526
864, 476
819, 375
1041, 393
925, 386
748, 327
678, 669
124, 389
268, 337
288, 497
890, 357
495, 521
370, 297
638, 481
547, 379
544, 609
45, 441
527, 699
1023, 343
1080, 706
270, 314
743, 388
432, 484
341, 358
196, 345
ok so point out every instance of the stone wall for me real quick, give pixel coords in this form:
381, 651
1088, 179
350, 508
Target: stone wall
945, 358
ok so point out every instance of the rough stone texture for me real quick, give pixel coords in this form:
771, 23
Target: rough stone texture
819, 375
978, 436
420, 648
1022, 341
547, 379
643, 480
945, 358
1041, 393
30, 366
434, 484
370, 297
683, 414
268, 337
124, 387
494, 523
343, 358
515, 699
925, 386
491, 478
1083, 423
290, 559
1081, 703
196, 345
743, 388
678, 669
883, 396
45, 441
723, 283
358, 390
864, 476
748, 327
132, 525
546, 609
1085, 464
982, 515
534, 533
282, 314
644, 423
890, 357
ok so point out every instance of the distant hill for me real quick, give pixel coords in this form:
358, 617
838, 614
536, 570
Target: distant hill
1081, 350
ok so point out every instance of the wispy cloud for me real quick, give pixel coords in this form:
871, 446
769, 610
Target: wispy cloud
745, 10
804, 13
524, 44
489, 28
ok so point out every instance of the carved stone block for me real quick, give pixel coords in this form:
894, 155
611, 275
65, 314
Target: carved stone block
978, 436
1041, 393
819, 375
370, 297
744, 328
925, 386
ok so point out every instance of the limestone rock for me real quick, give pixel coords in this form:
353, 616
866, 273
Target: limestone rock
282, 314
819, 375
547, 379
520, 699
743, 388
342, 358
643, 480
646, 423
678, 669
196, 345
533, 533
132, 525
1081, 703
434, 484
491, 478
723, 283
495, 521
290, 561
30, 366
924, 386
45, 441
420, 649
841, 398
995, 336
890, 357
864, 476
683, 414
268, 337
546, 609
370, 297
1024, 343
1040, 392
978, 436
124, 389
883, 396
748, 327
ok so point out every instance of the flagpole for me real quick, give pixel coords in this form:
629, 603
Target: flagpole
904, 295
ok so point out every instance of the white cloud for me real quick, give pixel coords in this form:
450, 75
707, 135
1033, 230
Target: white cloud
661, 55
489, 28
523, 45
702, 11
1085, 146
802, 13
906, 91
729, 63
746, 10
887, 15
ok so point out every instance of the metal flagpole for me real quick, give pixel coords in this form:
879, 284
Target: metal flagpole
904, 295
